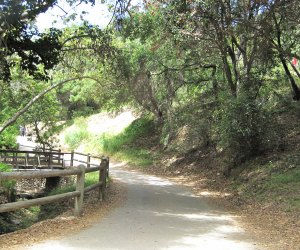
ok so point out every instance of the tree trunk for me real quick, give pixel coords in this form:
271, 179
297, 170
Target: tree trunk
291, 78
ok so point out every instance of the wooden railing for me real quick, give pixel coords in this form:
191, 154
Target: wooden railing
46, 159
32, 159
79, 171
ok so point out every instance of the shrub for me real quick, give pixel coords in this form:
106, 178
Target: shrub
8, 137
8, 186
127, 145
244, 128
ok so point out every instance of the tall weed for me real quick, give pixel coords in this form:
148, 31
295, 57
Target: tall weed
75, 137
114, 143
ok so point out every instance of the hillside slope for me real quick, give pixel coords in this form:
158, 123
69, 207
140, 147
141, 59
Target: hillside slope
264, 191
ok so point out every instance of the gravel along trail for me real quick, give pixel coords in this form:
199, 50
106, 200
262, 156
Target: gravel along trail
157, 214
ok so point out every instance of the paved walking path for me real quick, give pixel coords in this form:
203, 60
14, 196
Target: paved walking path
157, 215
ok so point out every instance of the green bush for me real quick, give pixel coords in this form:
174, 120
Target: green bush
8, 185
8, 137
243, 128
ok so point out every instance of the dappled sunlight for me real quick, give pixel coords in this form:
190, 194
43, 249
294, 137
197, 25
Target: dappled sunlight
204, 216
160, 215
194, 185
211, 241
116, 165
139, 178
214, 194
209, 231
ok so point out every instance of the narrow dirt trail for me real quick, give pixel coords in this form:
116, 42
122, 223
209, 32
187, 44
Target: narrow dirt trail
158, 214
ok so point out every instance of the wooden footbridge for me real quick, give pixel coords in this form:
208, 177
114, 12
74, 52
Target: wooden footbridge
49, 164
49, 159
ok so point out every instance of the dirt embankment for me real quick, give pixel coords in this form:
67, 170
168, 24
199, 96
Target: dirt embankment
274, 228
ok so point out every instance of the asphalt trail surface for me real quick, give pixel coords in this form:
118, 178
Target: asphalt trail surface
157, 214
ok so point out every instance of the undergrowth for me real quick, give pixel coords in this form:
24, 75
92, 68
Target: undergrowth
75, 137
90, 179
273, 183
129, 145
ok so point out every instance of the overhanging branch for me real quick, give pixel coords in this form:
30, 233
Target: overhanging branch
20, 112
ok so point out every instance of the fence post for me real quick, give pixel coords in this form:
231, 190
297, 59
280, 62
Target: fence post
107, 170
4, 156
15, 160
49, 160
88, 165
59, 157
72, 158
26, 159
102, 178
80, 188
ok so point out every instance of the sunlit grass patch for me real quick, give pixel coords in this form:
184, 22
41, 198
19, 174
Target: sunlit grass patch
282, 188
124, 146
78, 134
137, 157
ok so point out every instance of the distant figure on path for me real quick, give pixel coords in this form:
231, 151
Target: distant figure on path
22, 130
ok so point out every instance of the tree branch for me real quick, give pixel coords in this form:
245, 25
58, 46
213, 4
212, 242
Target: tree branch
20, 112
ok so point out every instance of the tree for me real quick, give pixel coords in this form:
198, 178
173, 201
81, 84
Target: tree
216, 48
283, 34
37, 54
18, 36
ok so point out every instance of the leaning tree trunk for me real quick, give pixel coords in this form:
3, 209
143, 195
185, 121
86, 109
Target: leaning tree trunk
295, 87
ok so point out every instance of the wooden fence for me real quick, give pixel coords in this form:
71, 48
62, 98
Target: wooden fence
45, 159
32, 159
80, 171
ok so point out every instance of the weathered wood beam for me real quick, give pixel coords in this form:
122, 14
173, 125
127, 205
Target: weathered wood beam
36, 202
37, 174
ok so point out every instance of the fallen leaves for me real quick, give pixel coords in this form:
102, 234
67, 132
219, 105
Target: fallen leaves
55, 228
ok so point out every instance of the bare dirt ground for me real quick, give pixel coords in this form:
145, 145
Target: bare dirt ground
66, 223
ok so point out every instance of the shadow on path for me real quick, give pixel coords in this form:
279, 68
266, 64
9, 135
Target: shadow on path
158, 215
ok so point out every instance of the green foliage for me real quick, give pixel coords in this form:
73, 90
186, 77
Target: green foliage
8, 185
44, 118
282, 188
90, 179
136, 156
125, 145
77, 135
243, 126
8, 137
114, 143
285, 178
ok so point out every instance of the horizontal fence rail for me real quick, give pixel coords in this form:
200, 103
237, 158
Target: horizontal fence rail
85, 167
54, 159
